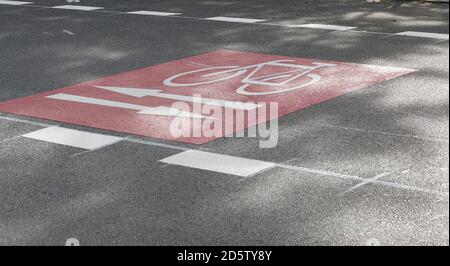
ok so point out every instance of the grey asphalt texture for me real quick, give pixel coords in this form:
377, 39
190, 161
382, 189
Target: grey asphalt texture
122, 195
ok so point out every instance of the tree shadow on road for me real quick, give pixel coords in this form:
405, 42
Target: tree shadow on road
278, 207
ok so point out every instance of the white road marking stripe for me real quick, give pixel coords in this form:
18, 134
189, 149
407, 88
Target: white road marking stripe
73, 7
218, 163
153, 13
156, 144
440, 36
89, 151
137, 92
321, 172
412, 188
68, 32
240, 20
323, 27
368, 181
357, 178
73, 138
14, 3
146, 110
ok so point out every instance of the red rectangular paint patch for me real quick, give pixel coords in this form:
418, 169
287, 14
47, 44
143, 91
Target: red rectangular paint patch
138, 102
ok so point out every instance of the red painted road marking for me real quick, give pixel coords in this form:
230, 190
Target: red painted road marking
139, 102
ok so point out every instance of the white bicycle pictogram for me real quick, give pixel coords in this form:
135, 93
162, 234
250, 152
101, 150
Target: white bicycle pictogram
223, 73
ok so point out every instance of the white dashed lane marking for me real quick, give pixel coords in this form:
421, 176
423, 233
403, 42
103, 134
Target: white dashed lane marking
240, 20
429, 35
262, 164
73, 138
83, 8
440, 36
14, 3
218, 163
153, 13
323, 27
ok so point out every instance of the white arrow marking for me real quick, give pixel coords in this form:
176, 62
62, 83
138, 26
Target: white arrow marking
158, 93
160, 110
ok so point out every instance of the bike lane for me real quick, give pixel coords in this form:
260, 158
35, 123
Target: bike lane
141, 102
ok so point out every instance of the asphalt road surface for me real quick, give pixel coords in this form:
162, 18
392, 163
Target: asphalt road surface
366, 167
